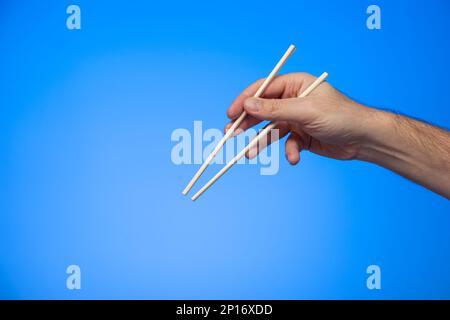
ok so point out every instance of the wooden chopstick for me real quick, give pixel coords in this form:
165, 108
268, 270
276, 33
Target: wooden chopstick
238, 121
255, 140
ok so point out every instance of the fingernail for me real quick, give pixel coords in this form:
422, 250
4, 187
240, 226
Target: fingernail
252, 104
236, 132
252, 153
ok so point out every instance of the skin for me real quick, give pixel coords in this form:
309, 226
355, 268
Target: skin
329, 124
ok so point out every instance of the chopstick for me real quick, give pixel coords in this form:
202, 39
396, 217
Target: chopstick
255, 140
238, 121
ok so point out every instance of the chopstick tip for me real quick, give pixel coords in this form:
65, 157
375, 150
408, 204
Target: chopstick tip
186, 190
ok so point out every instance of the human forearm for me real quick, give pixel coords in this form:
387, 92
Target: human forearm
415, 150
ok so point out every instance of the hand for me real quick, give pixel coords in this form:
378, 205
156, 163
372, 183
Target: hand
325, 122
328, 123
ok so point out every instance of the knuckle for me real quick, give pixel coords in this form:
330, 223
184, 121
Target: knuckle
302, 76
274, 108
307, 103
250, 91
247, 92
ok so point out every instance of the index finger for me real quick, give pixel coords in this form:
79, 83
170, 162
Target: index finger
274, 90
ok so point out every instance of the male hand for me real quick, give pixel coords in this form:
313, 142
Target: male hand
325, 122
328, 123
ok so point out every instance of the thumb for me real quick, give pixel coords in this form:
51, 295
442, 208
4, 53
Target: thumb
274, 109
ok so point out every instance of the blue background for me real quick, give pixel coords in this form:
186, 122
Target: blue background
86, 176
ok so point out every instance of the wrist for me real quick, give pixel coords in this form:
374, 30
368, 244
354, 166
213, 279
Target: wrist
378, 133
